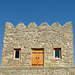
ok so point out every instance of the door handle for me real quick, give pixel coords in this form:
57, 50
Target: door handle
36, 58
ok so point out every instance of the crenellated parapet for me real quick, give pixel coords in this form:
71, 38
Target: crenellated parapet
41, 26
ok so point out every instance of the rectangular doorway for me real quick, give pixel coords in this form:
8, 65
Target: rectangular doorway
37, 57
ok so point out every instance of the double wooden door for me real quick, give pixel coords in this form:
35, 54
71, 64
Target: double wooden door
37, 57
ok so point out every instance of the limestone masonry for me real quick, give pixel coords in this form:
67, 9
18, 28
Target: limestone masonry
33, 50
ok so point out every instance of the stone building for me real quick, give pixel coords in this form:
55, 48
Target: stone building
33, 50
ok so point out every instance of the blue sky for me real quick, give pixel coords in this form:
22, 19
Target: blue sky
38, 11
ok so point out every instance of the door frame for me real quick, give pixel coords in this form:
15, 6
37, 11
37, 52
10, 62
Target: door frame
31, 56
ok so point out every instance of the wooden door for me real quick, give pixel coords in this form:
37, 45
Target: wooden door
37, 57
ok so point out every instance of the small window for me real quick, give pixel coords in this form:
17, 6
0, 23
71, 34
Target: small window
57, 52
17, 53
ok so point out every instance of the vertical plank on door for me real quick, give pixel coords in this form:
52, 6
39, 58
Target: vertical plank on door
40, 57
34, 58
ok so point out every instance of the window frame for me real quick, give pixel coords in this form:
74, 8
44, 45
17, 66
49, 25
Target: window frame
59, 52
17, 49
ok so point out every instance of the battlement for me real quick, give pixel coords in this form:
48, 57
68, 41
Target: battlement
42, 27
33, 25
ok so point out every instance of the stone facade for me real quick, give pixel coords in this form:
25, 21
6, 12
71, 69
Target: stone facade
32, 36
37, 71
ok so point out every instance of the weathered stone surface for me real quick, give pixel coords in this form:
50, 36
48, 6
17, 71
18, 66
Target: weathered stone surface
21, 26
37, 71
44, 26
56, 24
32, 25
